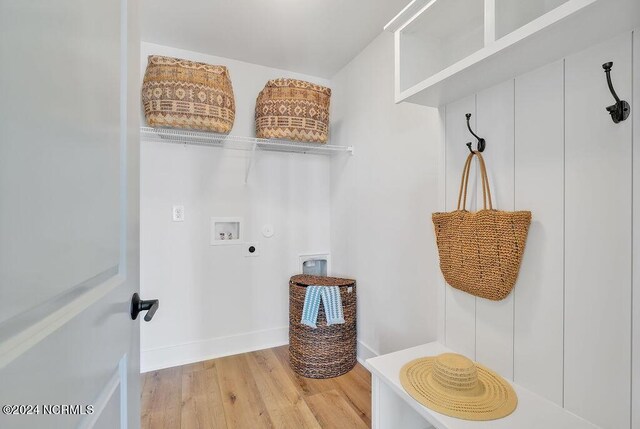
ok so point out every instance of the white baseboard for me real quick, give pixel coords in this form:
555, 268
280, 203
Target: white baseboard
182, 354
197, 351
365, 352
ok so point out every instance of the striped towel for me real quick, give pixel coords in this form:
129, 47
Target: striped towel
330, 297
332, 305
311, 306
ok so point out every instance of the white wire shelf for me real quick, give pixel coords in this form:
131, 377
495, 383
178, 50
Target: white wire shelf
201, 138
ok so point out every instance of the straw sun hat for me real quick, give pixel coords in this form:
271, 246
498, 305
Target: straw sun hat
453, 385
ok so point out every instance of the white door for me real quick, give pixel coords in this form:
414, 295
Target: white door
69, 108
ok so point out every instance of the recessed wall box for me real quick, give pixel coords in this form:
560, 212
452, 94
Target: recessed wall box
317, 264
226, 230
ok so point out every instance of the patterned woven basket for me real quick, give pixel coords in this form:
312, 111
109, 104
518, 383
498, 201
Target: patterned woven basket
480, 253
326, 351
293, 110
186, 94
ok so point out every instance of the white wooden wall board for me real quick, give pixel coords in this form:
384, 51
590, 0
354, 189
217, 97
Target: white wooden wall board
460, 307
489, 22
572, 166
597, 367
635, 117
396, 66
539, 187
442, 206
495, 123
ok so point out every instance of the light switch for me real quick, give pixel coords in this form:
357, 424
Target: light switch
178, 213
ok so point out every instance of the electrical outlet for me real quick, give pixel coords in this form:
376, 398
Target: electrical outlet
251, 249
178, 213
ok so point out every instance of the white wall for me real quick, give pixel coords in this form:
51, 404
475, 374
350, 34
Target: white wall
565, 331
213, 300
381, 203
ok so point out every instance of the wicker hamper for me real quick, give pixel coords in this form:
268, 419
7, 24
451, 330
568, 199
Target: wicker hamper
326, 351
294, 110
186, 94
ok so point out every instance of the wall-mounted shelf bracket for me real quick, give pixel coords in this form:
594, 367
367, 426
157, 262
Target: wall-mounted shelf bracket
250, 161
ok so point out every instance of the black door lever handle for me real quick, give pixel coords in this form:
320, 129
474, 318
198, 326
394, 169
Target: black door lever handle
138, 305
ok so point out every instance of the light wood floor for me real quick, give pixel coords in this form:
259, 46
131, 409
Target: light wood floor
252, 391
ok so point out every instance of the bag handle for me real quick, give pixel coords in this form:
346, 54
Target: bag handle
464, 183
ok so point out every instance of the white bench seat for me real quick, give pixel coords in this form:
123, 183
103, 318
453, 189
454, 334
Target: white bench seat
393, 408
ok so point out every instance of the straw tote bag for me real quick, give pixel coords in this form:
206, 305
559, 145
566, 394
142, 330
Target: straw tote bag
480, 253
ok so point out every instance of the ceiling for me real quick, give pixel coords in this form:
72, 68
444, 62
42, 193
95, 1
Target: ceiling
316, 37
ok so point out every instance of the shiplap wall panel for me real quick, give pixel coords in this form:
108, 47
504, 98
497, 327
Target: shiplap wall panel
442, 206
572, 167
635, 117
598, 238
495, 123
460, 307
539, 187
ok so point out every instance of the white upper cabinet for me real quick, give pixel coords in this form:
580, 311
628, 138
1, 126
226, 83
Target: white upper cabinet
513, 14
448, 49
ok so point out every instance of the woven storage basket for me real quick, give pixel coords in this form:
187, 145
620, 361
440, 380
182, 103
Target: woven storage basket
480, 253
294, 110
186, 94
326, 351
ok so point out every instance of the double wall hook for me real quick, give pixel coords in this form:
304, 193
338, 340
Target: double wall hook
619, 111
481, 141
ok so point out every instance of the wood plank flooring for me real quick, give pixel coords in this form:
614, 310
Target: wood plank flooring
253, 391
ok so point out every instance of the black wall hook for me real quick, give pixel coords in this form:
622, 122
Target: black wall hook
619, 111
481, 141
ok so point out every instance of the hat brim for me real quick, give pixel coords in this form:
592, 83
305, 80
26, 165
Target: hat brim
494, 399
